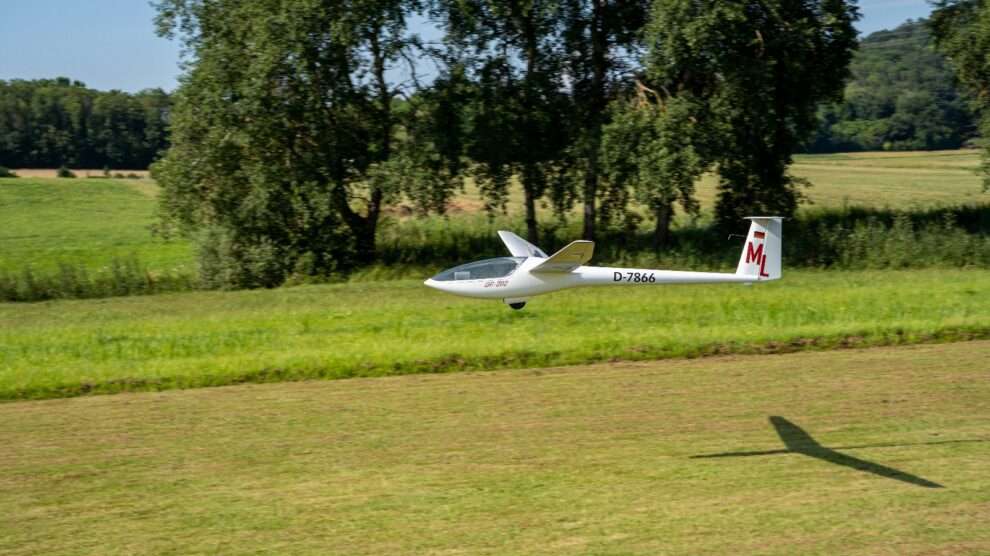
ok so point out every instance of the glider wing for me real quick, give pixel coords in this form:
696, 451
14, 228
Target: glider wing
567, 259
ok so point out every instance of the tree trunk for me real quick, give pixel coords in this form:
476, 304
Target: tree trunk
365, 227
661, 234
590, 195
529, 166
599, 51
532, 230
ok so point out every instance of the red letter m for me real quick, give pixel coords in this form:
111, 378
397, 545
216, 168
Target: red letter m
754, 254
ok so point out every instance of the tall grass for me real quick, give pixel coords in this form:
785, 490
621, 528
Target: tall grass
337, 331
847, 238
72, 281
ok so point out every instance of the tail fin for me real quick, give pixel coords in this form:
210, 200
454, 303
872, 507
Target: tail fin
761, 253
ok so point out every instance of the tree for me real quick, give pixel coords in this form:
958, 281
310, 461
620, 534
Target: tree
962, 31
761, 69
597, 35
511, 51
656, 147
283, 131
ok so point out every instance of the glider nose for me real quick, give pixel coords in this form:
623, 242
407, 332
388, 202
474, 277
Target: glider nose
431, 283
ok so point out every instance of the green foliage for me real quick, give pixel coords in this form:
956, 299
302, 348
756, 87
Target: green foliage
283, 133
652, 149
517, 112
64, 172
962, 31
48, 123
750, 65
49, 223
597, 38
7, 172
541, 75
902, 96
847, 238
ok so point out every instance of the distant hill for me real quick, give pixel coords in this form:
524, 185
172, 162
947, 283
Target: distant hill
903, 96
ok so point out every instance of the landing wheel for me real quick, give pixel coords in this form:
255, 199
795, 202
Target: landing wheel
518, 305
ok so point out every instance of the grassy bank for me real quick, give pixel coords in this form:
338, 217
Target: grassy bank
68, 348
879, 451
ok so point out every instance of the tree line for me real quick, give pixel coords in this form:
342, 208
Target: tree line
49, 123
903, 95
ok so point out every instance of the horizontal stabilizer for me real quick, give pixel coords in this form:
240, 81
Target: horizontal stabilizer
519, 247
568, 258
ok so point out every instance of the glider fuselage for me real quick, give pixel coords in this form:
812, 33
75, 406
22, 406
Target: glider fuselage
522, 283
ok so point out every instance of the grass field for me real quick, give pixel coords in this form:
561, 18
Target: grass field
69, 348
904, 180
899, 180
651, 449
857, 452
85, 222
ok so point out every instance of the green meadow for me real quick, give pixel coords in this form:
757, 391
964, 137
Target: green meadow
68, 348
85, 222
856, 452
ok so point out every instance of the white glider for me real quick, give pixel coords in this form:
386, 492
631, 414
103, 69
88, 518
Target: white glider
530, 272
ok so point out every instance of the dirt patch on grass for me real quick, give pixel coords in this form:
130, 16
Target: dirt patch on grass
80, 173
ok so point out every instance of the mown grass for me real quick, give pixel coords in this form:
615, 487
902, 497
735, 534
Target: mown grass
899, 180
896, 180
69, 348
589, 460
84, 223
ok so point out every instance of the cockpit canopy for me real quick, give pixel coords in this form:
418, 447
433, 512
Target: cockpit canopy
479, 270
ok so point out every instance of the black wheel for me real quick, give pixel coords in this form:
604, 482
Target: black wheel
517, 306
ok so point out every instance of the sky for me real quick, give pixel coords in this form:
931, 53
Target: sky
111, 44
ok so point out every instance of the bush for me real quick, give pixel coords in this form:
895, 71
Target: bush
6, 172
64, 172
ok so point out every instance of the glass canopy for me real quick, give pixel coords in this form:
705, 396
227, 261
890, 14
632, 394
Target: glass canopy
478, 270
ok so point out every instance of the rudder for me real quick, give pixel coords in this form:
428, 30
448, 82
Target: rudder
761, 253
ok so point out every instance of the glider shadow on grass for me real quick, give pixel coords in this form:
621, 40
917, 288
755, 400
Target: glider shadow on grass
798, 441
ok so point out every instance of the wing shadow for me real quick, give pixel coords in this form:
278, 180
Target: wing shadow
797, 441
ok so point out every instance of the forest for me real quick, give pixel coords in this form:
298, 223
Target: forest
903, 95
50, 123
